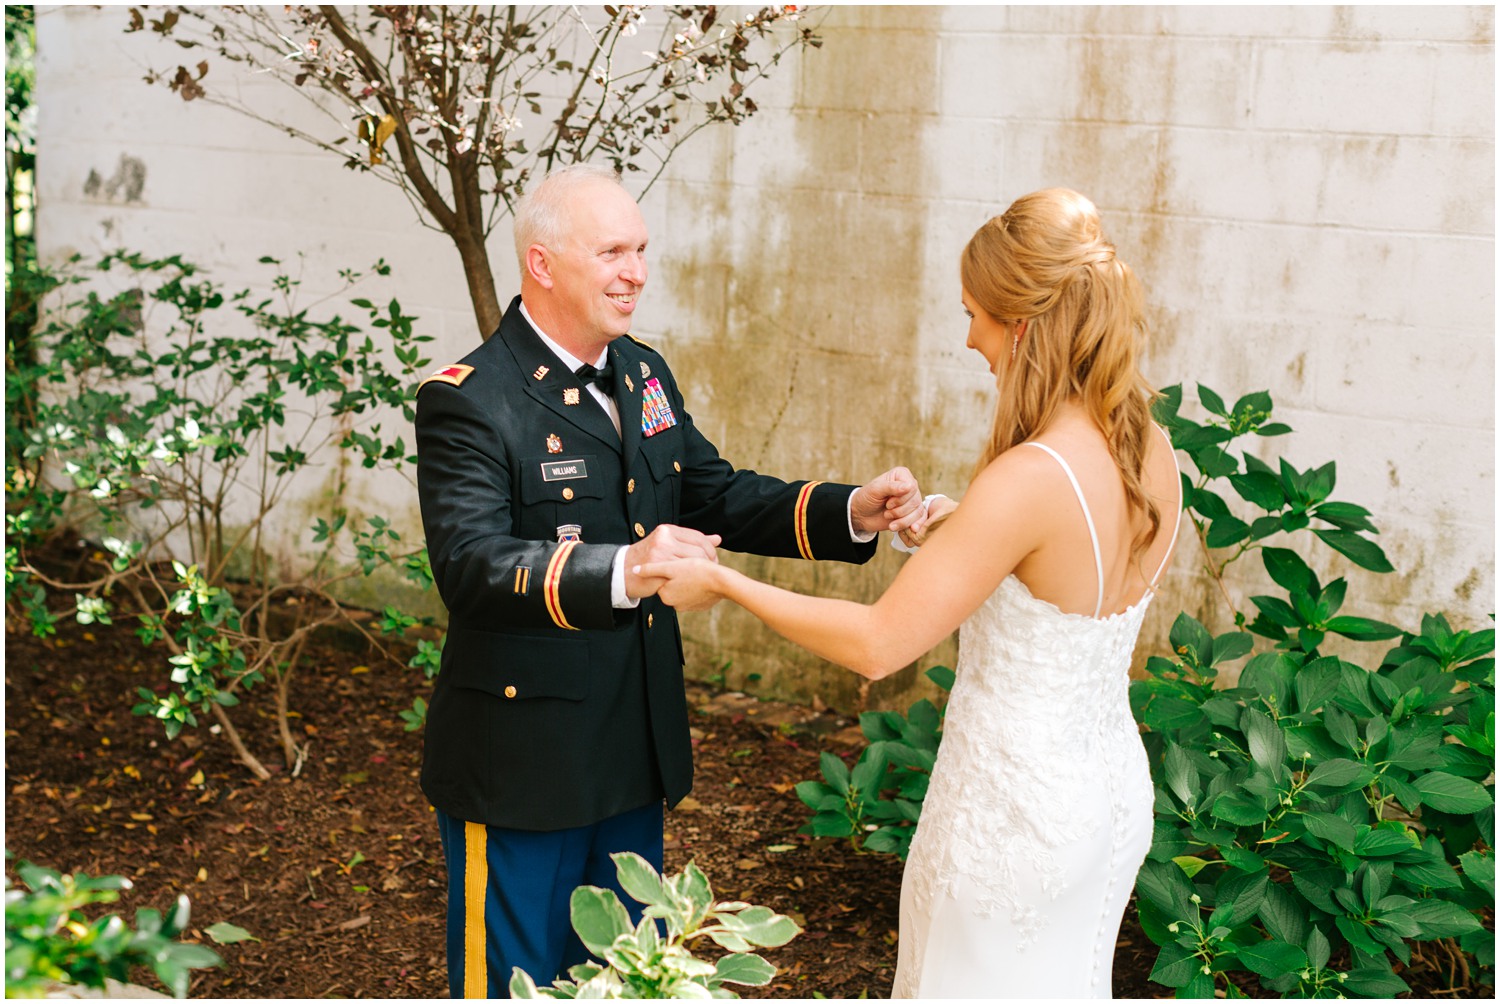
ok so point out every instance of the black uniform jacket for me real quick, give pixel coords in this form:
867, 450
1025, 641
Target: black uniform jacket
553, 709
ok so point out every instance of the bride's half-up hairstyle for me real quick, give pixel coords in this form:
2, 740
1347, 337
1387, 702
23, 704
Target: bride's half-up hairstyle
1045, 260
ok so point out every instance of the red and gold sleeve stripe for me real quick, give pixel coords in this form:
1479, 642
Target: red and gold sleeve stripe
552, 584
799, 519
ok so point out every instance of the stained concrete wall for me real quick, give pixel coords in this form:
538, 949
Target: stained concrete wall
1306, 192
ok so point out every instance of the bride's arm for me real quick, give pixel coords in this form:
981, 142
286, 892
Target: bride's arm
1000, 522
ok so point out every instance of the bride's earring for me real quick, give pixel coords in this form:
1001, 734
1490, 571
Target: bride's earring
1015, 344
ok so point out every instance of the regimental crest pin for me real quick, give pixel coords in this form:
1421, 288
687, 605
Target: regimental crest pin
541, 371
570, 395
645, 371
629, 383
569, 531
554, 444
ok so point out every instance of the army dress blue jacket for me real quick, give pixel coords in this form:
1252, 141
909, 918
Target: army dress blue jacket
553, 709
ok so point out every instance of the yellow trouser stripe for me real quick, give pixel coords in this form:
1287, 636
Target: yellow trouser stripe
476, 882
799, 520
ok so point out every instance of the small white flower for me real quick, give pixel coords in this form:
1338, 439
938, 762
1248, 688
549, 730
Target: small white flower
1172, 927
1207, 970
115, 436
190, 431
1196, 898
102, 490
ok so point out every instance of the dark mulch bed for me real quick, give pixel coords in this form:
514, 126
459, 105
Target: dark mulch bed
92, 788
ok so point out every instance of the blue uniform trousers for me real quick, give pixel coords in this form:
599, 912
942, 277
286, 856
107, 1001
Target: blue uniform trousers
508, 893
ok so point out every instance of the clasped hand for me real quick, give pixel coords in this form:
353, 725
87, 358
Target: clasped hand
661, 548
892, 501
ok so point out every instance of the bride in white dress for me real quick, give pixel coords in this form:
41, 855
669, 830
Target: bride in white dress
1039, 811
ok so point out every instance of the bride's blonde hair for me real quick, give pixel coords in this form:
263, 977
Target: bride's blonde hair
1045, 261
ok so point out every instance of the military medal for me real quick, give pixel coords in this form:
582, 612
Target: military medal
629, 384
645, 371
656, 410
570, 395
541, 371
554, 444
569, 531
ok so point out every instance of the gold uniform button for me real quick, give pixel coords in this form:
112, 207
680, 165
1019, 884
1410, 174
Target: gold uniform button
640, 531
630, 487
676, 467
510, 691
567, 494
650, 619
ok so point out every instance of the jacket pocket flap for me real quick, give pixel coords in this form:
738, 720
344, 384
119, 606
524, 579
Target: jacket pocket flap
518, 667
663, 456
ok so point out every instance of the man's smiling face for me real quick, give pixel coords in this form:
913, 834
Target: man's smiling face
599, 269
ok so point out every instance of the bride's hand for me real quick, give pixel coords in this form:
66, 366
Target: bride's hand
939, 509
687, 583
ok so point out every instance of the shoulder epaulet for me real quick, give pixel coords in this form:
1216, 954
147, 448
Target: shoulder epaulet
643, 345
455, 374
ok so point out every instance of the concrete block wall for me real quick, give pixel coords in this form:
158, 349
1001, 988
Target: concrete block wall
1306, 192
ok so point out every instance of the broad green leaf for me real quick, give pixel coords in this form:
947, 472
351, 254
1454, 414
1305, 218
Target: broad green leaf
1479, 868
1212, 402
1288, 570
1373, 982
1239, 896
1245, 861
1362, 628
522, 987
1315, 683
1188, 634
598, 917
869, 770
1226, 531
1284, 915
1364, 553
1189, 864
1259, 489
1234, 808
1231, 646
1340, 773
1165, 886
225, 933
1447, 793
942, 676
835, 772
1182, 778
745, 968
1272, 958
638, 878
1380, 843
1440, 918
1200, 987
1267, 744
1330, 827
1175, 966
760, 926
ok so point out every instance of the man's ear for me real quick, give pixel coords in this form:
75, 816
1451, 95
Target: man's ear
538, 266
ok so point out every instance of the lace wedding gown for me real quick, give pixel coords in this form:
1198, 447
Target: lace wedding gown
1039, 811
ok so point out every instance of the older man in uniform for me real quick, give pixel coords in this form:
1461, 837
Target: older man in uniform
551, 461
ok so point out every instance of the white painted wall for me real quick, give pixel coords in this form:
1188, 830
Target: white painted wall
1307, 193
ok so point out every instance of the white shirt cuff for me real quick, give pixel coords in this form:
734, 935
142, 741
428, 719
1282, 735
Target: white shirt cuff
855, 535
617, 596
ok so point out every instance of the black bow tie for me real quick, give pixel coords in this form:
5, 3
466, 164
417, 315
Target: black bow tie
603, 377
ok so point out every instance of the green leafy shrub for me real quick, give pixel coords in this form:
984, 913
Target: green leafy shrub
168, 419
1318, 819
877, 803
49, 938
642, 961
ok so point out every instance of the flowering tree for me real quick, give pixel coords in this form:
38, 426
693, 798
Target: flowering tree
459, 106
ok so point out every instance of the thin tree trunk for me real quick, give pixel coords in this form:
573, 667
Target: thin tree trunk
476, 259
238, 745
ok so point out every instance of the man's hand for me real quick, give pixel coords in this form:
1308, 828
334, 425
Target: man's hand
890, 502
665, 543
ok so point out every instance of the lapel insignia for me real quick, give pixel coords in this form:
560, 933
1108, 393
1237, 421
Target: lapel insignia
629, 384
656, 411
455, 374
541, 371
645, 371
569, 531
570, 395
554, 445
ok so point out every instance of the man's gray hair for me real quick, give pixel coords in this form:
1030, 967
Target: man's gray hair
539, 214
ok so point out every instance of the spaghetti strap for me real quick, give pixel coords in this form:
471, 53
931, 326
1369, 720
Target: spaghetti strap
1088, 516
1177, 524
